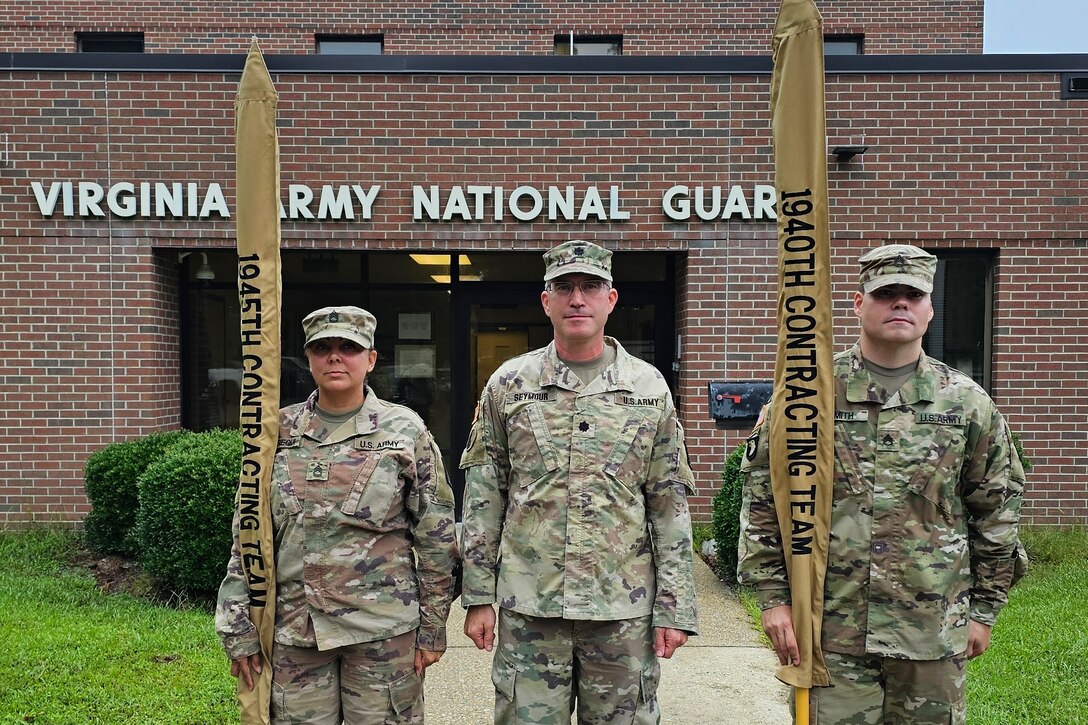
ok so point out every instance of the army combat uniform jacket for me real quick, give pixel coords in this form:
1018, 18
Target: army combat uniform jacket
576, 494
924, 514
364, 534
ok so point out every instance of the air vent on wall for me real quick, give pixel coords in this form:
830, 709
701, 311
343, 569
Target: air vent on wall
1075, 85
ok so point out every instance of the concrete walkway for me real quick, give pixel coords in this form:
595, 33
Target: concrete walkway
725, 675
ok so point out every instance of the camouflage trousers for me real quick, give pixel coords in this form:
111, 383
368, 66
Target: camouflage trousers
870, 690
545, 667
360, 684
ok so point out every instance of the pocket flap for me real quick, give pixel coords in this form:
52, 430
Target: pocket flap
405, 692
650, 678
503, 675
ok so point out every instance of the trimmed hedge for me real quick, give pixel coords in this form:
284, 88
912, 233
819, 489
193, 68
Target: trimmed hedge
725, 517
110, 478
186, 506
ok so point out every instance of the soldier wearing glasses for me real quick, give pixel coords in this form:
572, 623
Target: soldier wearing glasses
576, 518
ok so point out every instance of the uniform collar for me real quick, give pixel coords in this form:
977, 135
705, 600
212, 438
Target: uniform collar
862, 388
616, 376
366, 420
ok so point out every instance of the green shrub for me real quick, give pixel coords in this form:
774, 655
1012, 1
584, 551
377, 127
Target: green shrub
110, 481
725, 520
1024, 461
700, 532
186, 505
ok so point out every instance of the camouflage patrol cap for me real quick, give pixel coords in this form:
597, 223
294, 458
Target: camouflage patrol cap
578, 257
350, 323
897, 264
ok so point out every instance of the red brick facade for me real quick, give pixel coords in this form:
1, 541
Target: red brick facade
989, 159
656, 27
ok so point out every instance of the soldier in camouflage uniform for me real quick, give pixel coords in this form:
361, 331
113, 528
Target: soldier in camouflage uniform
365, 546
576, 519
923, 540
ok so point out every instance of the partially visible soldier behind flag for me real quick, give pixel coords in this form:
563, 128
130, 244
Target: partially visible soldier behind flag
924, 525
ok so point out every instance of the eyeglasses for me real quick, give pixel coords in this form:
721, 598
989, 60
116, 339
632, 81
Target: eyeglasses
588, 288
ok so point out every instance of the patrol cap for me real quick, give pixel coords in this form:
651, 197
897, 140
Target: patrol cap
350, 323
897, 264
578, 257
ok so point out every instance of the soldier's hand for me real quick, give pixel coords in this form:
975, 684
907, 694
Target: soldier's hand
247, 667
668, 640
978, 638
778, 624
480, 626
425, 658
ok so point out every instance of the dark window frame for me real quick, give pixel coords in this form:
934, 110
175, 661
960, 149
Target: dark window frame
1075, 86
842, 41
984, 263
321, 39
109, 42
566, 40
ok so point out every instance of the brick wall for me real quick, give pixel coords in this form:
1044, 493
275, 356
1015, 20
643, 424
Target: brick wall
89, 310
727, 27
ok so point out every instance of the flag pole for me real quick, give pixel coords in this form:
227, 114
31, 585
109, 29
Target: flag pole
802, 402
258, 237
800, 705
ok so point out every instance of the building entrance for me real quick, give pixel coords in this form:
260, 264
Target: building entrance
443, 327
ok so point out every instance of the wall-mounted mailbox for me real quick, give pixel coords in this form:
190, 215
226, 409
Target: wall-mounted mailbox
737, 403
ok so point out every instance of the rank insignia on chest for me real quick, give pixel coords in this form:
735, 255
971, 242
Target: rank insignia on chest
887, 440
584, 429
317, 471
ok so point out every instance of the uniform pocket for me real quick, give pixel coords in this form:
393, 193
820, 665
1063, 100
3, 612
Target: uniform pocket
632, 440
848, 460
503, 676
405, 693
285, 502
936, 477
279, 703
373, 489
650, 678
530, 443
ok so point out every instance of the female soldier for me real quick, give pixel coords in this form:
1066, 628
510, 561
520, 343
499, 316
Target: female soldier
365, 553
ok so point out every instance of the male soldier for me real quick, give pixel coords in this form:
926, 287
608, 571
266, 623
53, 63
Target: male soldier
576, 472
924, 516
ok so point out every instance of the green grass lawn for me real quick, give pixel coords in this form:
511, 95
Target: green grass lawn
71, 654
1036, 669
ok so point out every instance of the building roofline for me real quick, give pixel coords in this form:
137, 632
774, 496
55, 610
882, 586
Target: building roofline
637, 65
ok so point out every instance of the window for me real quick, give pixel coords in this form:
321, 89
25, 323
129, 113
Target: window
588, 44
962, 312
1075, 85
843, 44
349, 44
110, 42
